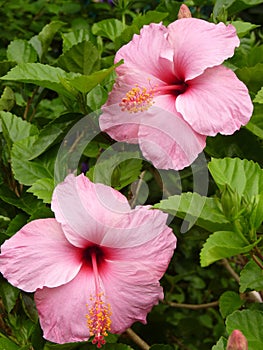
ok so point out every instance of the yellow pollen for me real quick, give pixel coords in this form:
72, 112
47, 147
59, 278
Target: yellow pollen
98, 320
137, 100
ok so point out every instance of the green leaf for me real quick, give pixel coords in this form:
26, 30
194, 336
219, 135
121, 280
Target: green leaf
75, 37
6, 344
25, 171
15, 128
249, 322
85, 346
43, 189
9, 295
259, 96
251, 76
47, 34
85, 83
21, 51
16, 223
243, 28
81, 58
220, 345
26, 201
229, 302
4, 221
108, 28
96, 97
161, 347
251, 277
223, 244
7, 100
202, 211
42, 75
116, 169
243, 176
255, 124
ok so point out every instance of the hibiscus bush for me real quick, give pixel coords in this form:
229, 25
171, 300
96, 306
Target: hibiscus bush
131, 175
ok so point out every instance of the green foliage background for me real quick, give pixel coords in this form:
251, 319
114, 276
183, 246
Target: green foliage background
56, 66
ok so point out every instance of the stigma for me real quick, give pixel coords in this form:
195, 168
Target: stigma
137, 100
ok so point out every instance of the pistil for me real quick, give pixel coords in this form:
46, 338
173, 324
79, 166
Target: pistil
98, 316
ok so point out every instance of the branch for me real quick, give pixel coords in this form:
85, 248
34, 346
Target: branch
194, 306
137, 340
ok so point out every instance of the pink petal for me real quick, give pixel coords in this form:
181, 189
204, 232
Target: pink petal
199, 44
62, 310
166, 140
85, 209
131, 281
149, 53
215, 102
139, 226
39, 255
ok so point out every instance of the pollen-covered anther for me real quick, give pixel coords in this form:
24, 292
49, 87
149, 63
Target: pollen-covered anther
98, 320
137, 100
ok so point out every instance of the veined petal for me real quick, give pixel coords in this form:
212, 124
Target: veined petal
148, 52
167, 140
215, 102
199, 44
62, 310
39, 255
85, 209
139, 226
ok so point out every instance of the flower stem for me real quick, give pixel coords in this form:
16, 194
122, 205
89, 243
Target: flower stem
137, 340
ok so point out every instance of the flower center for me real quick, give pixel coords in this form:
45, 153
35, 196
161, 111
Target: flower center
98, 316
140, 99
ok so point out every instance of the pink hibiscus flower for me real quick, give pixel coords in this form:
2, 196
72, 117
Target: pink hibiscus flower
172, 91
95, 267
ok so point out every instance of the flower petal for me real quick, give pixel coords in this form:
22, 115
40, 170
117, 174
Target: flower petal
215, 102
131, 281
167, 140
142, 53
39, 255
199, 44
139, 226
62, 310
85, 209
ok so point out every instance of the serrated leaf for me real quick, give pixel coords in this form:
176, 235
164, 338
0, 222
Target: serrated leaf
249, 322
21, 51
223, 244
242, 175
85, 83
197, 209
243, 28
15, 128
255, 124
7, 100
43, 189
108, 28
42, 75
96, 97
75, 37
229, 302
259, 96
27, 202
251, 76
220, 345
81, 58
251, 277
25, 171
